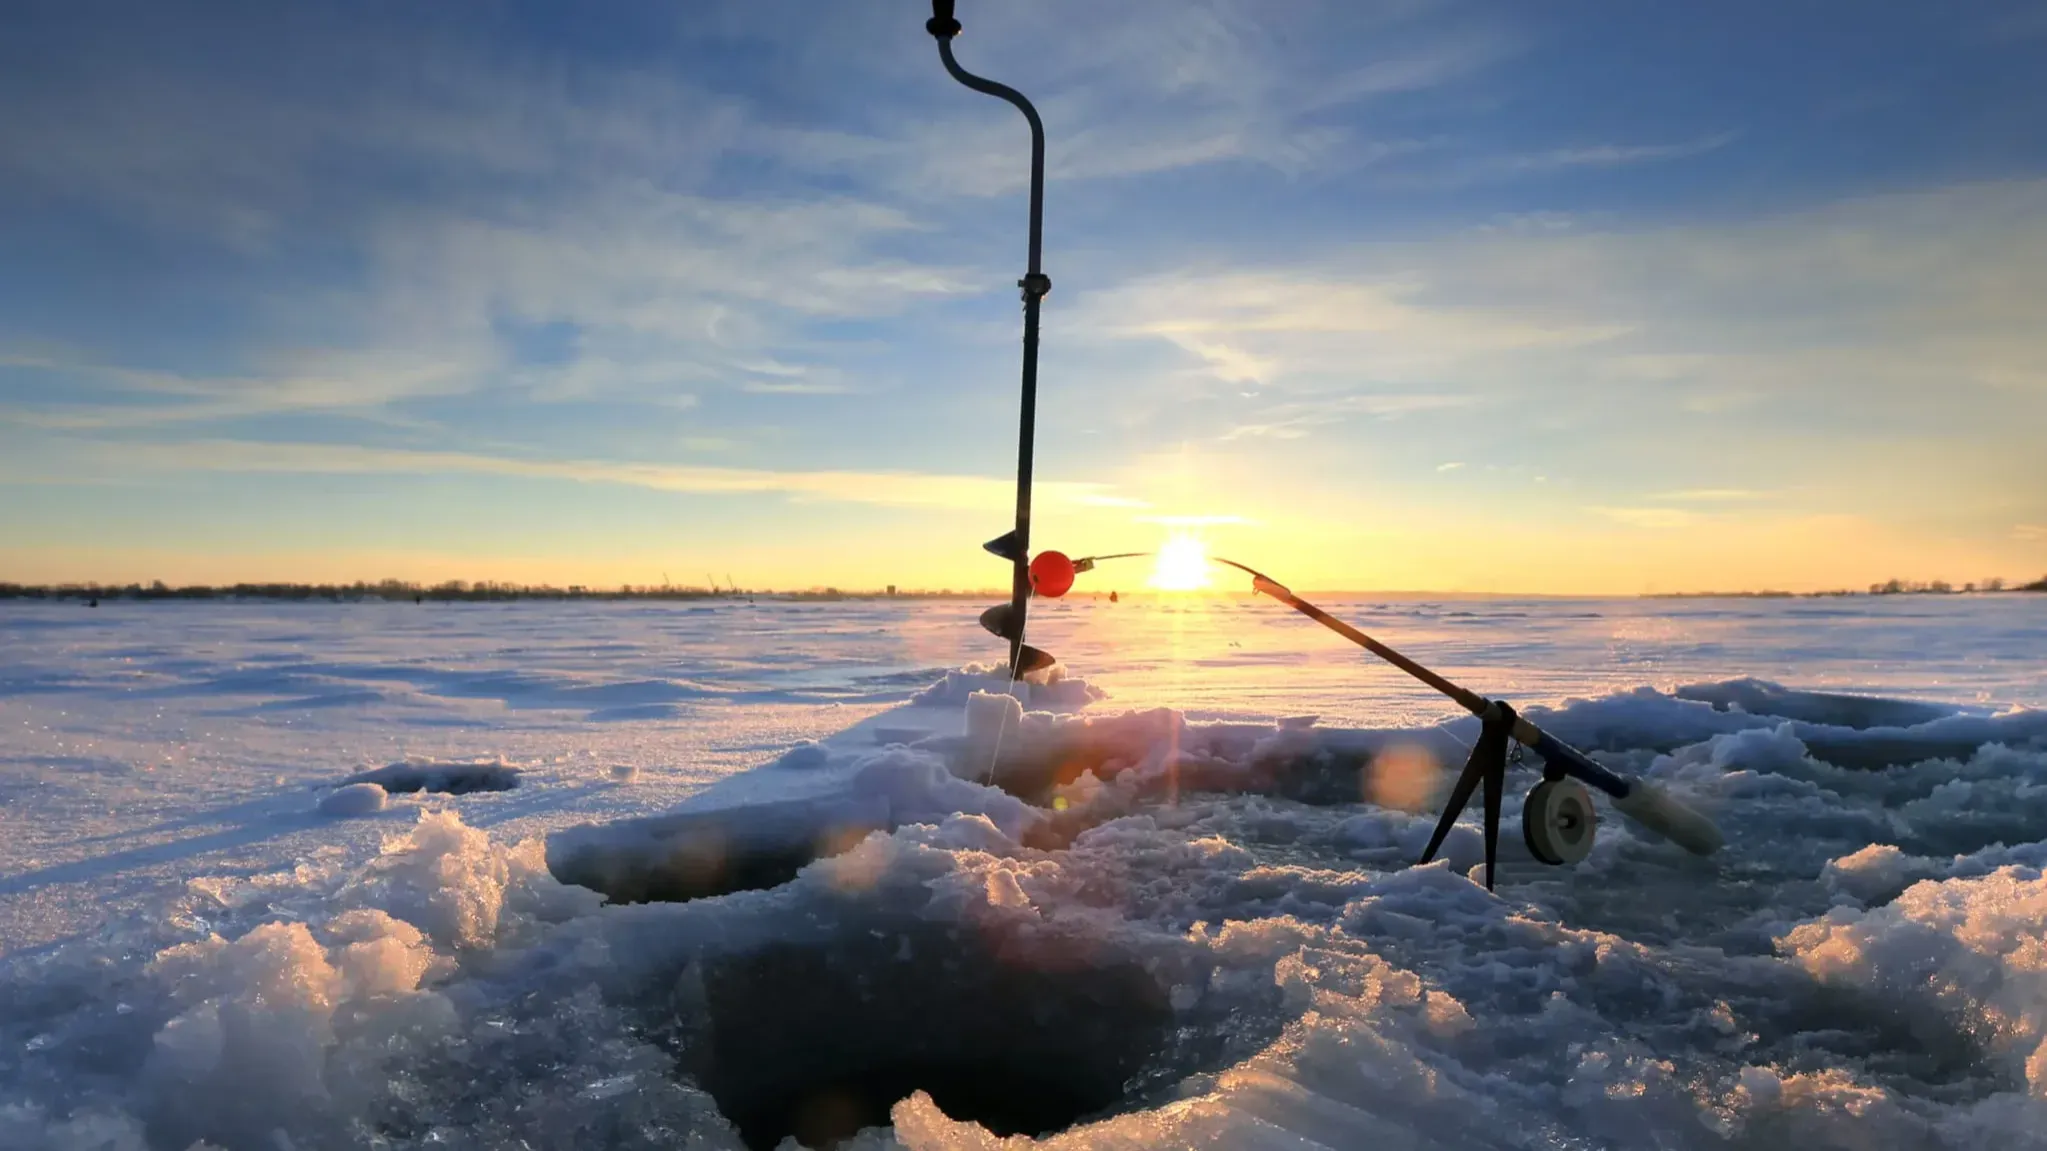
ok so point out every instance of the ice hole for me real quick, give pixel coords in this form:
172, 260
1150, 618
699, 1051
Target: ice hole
819, 1041
450, 778
692, 855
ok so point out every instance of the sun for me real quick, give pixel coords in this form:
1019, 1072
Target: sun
1181, 564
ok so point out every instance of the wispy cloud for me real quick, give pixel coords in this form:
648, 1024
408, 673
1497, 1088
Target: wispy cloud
1813, 345
1714, 495
1295, 419
2030, 533
1616, 155
795, 388
1230, 364
1452, 466
359, 383
888, 488
1169, 86
1195, 521
1316, 329
1655, 518
455, 191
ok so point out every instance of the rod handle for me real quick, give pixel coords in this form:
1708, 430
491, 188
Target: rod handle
1638, 799
1662, 813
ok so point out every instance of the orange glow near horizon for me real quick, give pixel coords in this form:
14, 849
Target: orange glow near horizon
1313, 547
1180, 565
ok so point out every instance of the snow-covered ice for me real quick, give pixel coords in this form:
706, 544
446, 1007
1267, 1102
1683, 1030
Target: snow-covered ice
1155, 904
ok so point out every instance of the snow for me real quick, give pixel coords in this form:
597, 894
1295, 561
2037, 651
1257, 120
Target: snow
1181, 915
365, 798
1057, 690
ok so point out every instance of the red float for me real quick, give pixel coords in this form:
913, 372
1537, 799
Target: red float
1051, 574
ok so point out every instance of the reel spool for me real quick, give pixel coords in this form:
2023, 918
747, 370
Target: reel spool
1558, 821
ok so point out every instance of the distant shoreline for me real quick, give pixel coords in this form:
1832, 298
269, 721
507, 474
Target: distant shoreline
453, 591
1877, 591
322, 593
459, 591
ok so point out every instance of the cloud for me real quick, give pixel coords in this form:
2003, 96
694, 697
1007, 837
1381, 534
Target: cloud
795, 388
457, 184
1232, 365
1194, 521
358, 383
1713, 495
1452, 466
1295, 419
888, 488
2030, 533
1320, 330
1276, 431
1878, 354
1617, 155
1656, 518
1164, 86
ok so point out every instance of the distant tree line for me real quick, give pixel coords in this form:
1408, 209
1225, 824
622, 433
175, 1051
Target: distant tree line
395, 591
1888, 587
1943, 587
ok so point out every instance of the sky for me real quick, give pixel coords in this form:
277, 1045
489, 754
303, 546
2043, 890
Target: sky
1372, 294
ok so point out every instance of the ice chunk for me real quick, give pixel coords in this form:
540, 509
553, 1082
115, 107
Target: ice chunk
353, 799
1059, 692
1968, 949
1876, 873
803, 756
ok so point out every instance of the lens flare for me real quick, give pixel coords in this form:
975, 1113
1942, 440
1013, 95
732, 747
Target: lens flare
1181, 564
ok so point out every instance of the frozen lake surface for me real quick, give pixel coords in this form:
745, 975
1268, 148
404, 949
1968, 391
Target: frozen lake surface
276, 875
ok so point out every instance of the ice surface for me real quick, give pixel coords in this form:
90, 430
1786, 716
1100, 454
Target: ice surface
1146, 928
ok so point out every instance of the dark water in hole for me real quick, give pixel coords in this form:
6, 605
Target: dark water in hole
451, 779
820, 1041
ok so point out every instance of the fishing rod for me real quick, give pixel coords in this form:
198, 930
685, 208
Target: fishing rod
1014, 545
1557, 817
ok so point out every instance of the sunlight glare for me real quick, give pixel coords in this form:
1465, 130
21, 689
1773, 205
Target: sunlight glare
1181, 564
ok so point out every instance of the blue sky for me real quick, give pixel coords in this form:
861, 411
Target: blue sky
1476, 296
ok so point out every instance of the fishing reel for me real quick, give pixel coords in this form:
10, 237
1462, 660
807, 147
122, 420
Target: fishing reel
1558, 821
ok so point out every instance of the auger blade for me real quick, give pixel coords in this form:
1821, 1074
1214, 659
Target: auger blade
1034, 659
997, 620
1004, 546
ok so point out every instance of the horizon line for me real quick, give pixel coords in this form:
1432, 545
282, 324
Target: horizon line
391, 588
